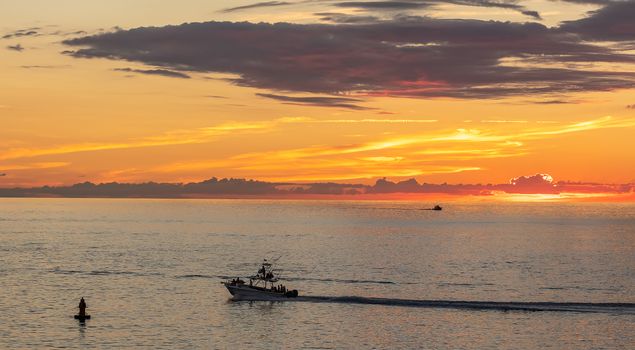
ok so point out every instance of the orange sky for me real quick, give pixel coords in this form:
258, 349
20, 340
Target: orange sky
68, 119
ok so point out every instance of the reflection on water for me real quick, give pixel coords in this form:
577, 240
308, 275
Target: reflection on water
82, 330
150, 272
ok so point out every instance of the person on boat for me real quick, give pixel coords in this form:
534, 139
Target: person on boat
82, 307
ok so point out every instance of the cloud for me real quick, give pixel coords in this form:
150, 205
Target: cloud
530, 13
22, 33
552, 102
384, 5
504, 4
211, 187
417, 154
613, 22
37, 165
16, 47
241, 187
358, 121
338, 102
593, 2
257, 5
413, 57
45, 66
344, 18
423, 4
538, 183
176, 137
161, 72
631, 106
395, 6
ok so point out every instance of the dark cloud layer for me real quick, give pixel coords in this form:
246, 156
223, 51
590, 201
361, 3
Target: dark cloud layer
412, 56
239, 187
338, 102
593, 2
613, 22
161, 72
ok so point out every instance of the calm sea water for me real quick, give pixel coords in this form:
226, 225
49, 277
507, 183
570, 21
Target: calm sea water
150, 273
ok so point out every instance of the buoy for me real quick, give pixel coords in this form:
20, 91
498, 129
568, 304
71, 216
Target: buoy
82, 311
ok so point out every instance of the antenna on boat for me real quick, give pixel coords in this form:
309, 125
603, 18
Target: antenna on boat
274, 269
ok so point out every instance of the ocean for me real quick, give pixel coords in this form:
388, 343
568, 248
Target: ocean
371, 274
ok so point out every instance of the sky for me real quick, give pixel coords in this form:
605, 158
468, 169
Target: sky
456, 91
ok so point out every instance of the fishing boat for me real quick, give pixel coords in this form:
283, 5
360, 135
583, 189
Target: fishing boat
436, 207
264, 285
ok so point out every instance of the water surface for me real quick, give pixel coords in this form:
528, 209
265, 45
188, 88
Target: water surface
150, 273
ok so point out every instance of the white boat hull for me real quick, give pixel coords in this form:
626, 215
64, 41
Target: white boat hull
244, 292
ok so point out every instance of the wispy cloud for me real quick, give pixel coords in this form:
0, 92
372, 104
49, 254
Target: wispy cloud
408, 155
257, 5
161, 72
176, 137
399, 5
22, 33
355, 121
500, 121
320, 101
29, 166
415, 154
47, 66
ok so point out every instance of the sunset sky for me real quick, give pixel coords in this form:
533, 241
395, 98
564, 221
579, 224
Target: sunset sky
457, 91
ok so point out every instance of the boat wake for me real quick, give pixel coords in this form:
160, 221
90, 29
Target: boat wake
336, 280
613, 308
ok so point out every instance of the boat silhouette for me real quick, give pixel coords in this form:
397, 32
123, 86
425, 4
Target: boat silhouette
262, 286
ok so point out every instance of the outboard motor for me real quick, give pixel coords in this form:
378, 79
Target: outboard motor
291, 293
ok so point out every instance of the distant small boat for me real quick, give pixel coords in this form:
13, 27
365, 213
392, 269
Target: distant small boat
436, 207
82, 317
